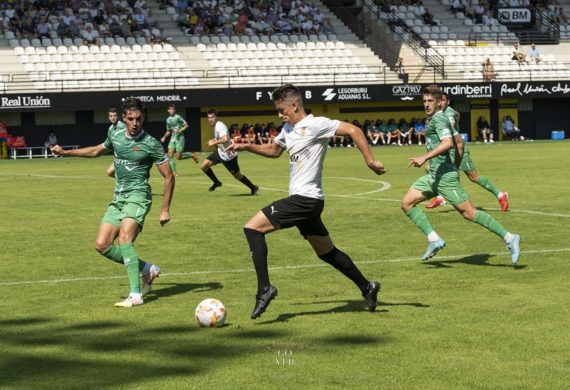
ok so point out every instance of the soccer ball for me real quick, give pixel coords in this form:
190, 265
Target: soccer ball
211, 313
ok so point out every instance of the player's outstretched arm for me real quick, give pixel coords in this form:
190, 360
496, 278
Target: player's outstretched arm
89, 151
272, 150
444, 145
361, 143
165, 171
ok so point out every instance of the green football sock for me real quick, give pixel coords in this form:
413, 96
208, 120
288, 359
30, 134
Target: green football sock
113, 252
420, 220
131, 260
172, 162
486, 184
485, 220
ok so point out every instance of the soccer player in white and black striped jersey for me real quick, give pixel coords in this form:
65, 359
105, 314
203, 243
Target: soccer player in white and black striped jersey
305, 138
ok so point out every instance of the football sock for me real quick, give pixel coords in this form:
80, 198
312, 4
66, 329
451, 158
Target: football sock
131, 260
486, 184
246, 181
420, 220
342, 262
212, 175
258, 248
172, 162
113, 252
433, 237
485, 220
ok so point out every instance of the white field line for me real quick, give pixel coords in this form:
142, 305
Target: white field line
385, 186
316, 264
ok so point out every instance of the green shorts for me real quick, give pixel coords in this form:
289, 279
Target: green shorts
134, 205
467, 164
446, 185
177, 144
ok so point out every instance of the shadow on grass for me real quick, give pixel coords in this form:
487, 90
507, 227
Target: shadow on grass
179, 288
349, 306
86, 355
344, 340
479, 259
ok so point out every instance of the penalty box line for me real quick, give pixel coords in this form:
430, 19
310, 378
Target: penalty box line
274, 268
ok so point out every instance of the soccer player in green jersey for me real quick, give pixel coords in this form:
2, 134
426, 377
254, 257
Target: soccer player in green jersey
135, 151
467, 164
175, 128
443, 178
116, 124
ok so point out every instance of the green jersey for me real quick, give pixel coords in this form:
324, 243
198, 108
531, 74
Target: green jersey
174, 124
439, 127
117, 126
133, 159
453, 117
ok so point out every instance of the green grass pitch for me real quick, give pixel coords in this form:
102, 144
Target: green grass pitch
466, 319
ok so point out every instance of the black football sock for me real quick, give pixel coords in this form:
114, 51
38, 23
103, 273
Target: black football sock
344, 264
258, 248
246, 181
212, 175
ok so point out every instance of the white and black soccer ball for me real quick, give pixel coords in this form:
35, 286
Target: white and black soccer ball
211, 313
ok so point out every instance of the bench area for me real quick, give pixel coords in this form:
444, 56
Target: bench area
35, 151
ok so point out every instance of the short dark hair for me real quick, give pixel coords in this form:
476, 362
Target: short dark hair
286, 92
213, 111
433, 90
172, 106
447, 97
133, 104
112, 109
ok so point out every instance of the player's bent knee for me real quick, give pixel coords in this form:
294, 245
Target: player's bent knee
238, 175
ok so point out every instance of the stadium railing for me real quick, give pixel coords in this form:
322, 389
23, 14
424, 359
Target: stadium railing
35, 151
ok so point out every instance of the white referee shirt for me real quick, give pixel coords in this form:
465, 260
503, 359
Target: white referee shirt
306, 143
220, 129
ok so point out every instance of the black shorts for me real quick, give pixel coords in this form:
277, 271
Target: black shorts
300, 211
231, 165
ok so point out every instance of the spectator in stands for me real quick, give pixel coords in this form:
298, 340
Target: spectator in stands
286, 6
420, 130
393, 132
405, 131
428, 18
63, 30
90, 36
419, 9
533, 54
456, 6
42, 29
484, 130
27, 26
260, 136
399, 69
115, 29
373, 134
271, 132
488, 70
478, 12
488, 19
249, 135
518, 55
327, 27
561, 17
509, 128
51, 141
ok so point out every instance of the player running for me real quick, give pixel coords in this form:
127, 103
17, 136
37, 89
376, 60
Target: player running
467, 164
443, 178
305, 138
